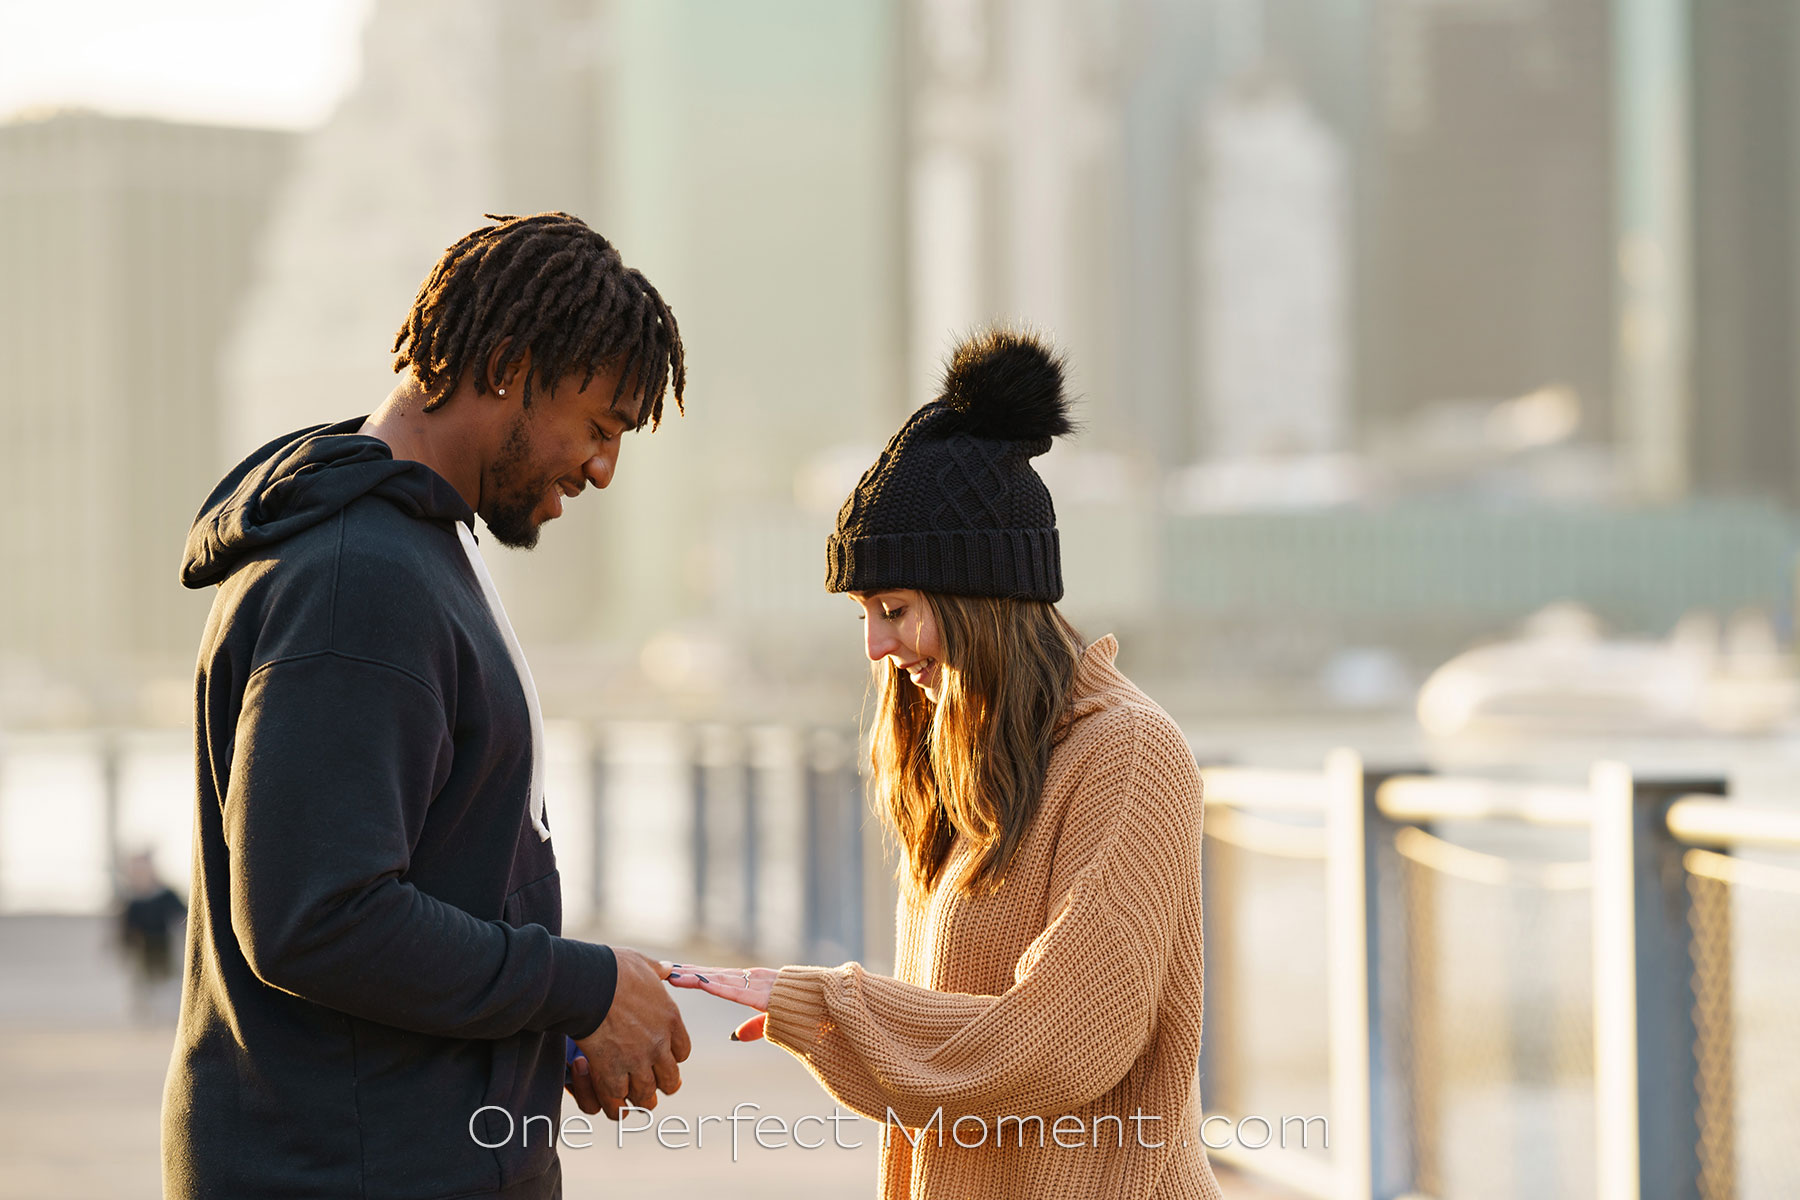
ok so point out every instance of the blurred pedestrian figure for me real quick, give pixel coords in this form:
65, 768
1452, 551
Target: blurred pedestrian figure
147, 921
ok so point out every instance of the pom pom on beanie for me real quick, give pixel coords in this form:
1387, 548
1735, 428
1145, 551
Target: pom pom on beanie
1007, 386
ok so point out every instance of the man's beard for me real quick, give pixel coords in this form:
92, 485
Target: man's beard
508, 514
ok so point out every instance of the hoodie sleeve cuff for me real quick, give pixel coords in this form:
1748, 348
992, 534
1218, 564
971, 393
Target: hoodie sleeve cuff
585, 976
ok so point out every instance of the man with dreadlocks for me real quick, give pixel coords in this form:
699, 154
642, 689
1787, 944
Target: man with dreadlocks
377, 1000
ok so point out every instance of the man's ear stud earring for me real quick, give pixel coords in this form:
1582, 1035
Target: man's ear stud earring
502, 391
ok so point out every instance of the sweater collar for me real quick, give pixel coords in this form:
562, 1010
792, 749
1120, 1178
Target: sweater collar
1095, 679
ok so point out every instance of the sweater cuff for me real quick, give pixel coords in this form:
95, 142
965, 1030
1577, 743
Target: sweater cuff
583, 976
797, 1014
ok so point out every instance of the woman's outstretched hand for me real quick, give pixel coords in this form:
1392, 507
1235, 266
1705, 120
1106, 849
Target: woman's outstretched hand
749, 986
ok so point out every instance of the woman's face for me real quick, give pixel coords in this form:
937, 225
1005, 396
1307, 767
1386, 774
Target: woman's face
898, 625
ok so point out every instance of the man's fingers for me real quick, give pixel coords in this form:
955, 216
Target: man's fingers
585, 1098
679, 1044
668, 1075
753, 1029
643, 1090
611, 1108
581, 1087
609, 1079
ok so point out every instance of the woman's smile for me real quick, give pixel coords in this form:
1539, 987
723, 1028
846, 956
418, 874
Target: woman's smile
923, 672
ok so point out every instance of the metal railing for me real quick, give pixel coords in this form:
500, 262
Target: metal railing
1604, 915
1744, 1004
1240, 804
1350, 914
743, 838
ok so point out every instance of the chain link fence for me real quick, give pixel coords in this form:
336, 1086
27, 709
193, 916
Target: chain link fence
1493, 1028
1744, 925
1267, 1043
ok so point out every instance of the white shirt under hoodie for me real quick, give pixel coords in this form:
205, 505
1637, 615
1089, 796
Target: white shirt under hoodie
517, 653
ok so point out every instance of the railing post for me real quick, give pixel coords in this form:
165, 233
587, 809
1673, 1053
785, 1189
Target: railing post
815, 848
1613, 848
833, 867
112, 799
752, 846
1401, 1154
850, 845
597, 825
1715, 1040
880, 880
1668, 1066
1348, 976
698, 841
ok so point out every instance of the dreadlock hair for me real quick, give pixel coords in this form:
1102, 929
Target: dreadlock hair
558, 290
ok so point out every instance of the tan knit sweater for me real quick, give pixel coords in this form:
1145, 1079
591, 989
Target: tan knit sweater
1072, 993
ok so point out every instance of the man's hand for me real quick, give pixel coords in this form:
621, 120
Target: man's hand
634, 1053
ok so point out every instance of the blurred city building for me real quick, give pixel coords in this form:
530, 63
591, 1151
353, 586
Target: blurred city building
1746, 249
409, 162
1488, 263
742, 158
126, 250
756, 177
1381, 311
1389, 321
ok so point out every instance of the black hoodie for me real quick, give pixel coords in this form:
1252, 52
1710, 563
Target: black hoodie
373, 952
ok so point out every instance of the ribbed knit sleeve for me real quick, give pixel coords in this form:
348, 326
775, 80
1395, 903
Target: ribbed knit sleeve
1085, 993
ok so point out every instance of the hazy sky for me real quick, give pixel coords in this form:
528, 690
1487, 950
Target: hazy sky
242, 62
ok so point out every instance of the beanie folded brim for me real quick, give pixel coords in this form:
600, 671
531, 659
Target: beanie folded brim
1024, 564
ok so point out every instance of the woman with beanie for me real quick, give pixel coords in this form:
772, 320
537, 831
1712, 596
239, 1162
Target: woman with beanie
1040, 1035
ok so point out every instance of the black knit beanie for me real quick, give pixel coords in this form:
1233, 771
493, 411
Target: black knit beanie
952, 505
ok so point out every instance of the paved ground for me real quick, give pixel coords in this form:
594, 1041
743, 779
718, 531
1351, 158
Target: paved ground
80, 1086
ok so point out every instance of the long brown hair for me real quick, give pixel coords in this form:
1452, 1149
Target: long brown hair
973, 764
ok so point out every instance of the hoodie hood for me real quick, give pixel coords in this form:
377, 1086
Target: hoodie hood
299, 480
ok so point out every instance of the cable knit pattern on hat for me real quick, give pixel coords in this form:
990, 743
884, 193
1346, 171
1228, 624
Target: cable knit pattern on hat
1073, 992
953, 504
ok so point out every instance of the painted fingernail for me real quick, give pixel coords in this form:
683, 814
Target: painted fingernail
674, 974
702, 979
735, 1037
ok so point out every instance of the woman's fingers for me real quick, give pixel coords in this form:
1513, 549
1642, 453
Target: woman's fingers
684, 977
751, 1030
749, 986
742, 976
